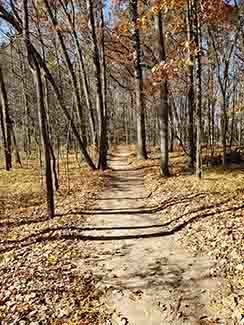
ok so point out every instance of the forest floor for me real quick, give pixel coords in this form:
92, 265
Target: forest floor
44, 278
146, 250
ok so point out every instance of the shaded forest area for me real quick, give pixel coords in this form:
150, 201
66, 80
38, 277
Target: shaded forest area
163, 77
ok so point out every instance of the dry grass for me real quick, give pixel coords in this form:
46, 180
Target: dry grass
24, 188
214, 179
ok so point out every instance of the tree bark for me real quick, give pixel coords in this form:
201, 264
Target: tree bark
15, 145
102, 160
163, 113
199, 94
7, 123
36, 71
104, 77
191, 105
141, 129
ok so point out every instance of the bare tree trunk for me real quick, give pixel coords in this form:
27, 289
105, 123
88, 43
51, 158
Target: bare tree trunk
172, 130
104, 76
7, 123
83, 72
240, 131
141, 129
4, 141
45, 140
54, 172
68, 63
191, 106
211, 103
102, 160
36, 71
52, 154
8, 17
17, 154
163, 112
234, 101
199, 95
26, 122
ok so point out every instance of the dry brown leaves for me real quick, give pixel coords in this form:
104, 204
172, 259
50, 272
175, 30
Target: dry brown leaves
212, 214
44, 280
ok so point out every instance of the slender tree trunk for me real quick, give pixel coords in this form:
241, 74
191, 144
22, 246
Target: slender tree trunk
172, 130
141, 128
45, 141
7, 123
104, 77
26, 121
240, 131
199, 95
4, 141
36, 71
15, 145
191, 105
8, 17
163, 112
102, 160
52, 154
67, 61
233, 118
224, 128
210, 109
84, 80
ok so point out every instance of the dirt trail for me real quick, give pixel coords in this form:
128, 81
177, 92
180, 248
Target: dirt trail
150, 280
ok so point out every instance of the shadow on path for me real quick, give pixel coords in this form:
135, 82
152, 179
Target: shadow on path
75, 233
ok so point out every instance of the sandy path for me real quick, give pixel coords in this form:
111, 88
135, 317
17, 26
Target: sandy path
150, 280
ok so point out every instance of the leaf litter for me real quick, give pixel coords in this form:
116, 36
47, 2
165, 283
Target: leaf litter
211, 213
46, 281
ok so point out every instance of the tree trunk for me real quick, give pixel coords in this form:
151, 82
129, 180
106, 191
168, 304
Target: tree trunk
17, 154
141, 129
84, 79
45, 141
52, 154
191, 108
36, 71
68, 63
199, 95
104, 78
4, 141
163, 112
8, 17
26, 121
102, 160
224, 128
7, 124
